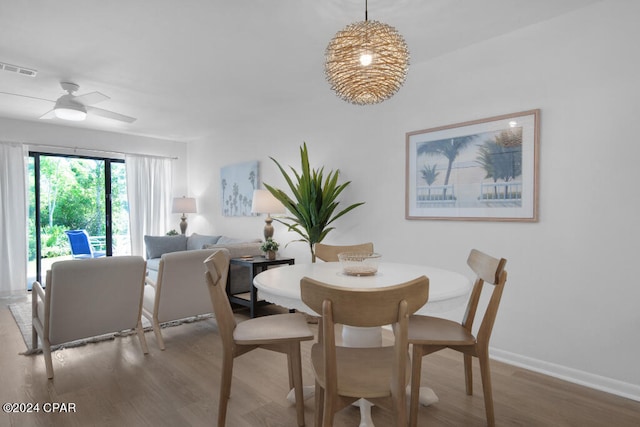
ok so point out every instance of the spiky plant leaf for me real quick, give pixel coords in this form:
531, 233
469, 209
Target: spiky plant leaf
314, 201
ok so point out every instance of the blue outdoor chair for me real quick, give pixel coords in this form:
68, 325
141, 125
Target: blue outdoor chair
80, 246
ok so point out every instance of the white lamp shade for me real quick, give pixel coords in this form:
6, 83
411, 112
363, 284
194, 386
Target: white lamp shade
265, 202
184, 205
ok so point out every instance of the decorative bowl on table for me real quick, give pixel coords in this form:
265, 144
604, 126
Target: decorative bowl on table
359, 263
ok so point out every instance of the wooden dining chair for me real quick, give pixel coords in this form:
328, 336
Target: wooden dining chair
377, 374
430, 334
281, 333
330, 253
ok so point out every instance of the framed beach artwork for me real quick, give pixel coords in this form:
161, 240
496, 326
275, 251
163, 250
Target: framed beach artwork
237, 184
479, 170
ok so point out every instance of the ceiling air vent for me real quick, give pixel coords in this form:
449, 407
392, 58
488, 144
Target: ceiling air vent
16, 69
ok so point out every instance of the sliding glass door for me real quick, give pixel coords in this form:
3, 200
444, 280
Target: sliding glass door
75, 193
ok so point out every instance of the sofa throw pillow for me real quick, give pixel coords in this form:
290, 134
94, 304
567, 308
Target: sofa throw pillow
237, 250
197, 241
158, 245
227, 240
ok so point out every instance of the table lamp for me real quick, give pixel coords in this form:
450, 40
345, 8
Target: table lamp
265, 202
184, 205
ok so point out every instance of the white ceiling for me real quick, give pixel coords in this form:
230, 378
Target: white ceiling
182, 67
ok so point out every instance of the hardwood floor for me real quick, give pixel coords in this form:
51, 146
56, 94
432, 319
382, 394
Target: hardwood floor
113, 384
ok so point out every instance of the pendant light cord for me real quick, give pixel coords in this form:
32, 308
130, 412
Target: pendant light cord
366, 10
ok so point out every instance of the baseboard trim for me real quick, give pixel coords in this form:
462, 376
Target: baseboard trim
609, 385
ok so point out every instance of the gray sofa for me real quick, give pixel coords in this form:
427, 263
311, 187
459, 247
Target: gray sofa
239, 279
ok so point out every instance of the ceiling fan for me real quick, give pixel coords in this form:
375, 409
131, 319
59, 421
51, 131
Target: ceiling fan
76, 107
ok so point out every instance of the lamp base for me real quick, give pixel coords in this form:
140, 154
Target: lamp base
268, 228
183, 224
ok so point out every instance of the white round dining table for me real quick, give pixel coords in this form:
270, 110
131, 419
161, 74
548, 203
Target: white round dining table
447, 290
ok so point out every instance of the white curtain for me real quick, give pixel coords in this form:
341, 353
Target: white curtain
149, 193
13, 219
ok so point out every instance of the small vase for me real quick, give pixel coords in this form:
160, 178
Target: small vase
271, 255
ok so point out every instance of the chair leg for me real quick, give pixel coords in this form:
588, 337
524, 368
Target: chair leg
400, 407
158, 334
295, 370
290, 369
416, 368
141, 338
35, 319
34, 337
328, 409
225, 388
319, 405
485, 373
46, 351
468, 374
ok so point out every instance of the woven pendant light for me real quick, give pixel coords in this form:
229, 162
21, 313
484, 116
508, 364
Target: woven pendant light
366, 62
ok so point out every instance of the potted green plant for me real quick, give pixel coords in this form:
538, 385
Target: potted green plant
314, 203
270, 247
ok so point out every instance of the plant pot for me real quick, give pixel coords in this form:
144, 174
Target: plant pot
270, 255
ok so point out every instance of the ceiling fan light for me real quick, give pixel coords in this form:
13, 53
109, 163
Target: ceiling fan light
70, 114
66, 109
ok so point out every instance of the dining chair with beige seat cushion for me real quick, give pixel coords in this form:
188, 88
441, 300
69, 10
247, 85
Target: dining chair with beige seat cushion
330, 253
180, 290
346, 374
280, 333
430, 334
86, 298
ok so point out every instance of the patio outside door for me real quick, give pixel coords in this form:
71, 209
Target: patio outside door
74, 192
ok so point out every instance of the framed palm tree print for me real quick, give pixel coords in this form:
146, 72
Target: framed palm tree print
237, 183
478, 170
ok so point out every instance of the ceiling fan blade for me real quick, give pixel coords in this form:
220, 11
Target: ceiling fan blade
48, 115
91, 98
110, 115
27, 96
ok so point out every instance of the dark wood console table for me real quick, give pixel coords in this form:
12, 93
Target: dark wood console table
256, 265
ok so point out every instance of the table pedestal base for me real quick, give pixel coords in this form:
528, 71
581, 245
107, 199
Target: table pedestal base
308, 391
427, 397
353, 336
365, 413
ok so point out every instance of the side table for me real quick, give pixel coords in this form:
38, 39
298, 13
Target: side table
256, 265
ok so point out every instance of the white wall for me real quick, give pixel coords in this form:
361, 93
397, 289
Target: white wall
570, 306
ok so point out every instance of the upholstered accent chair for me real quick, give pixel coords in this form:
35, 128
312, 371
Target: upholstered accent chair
180, 290
87, 298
